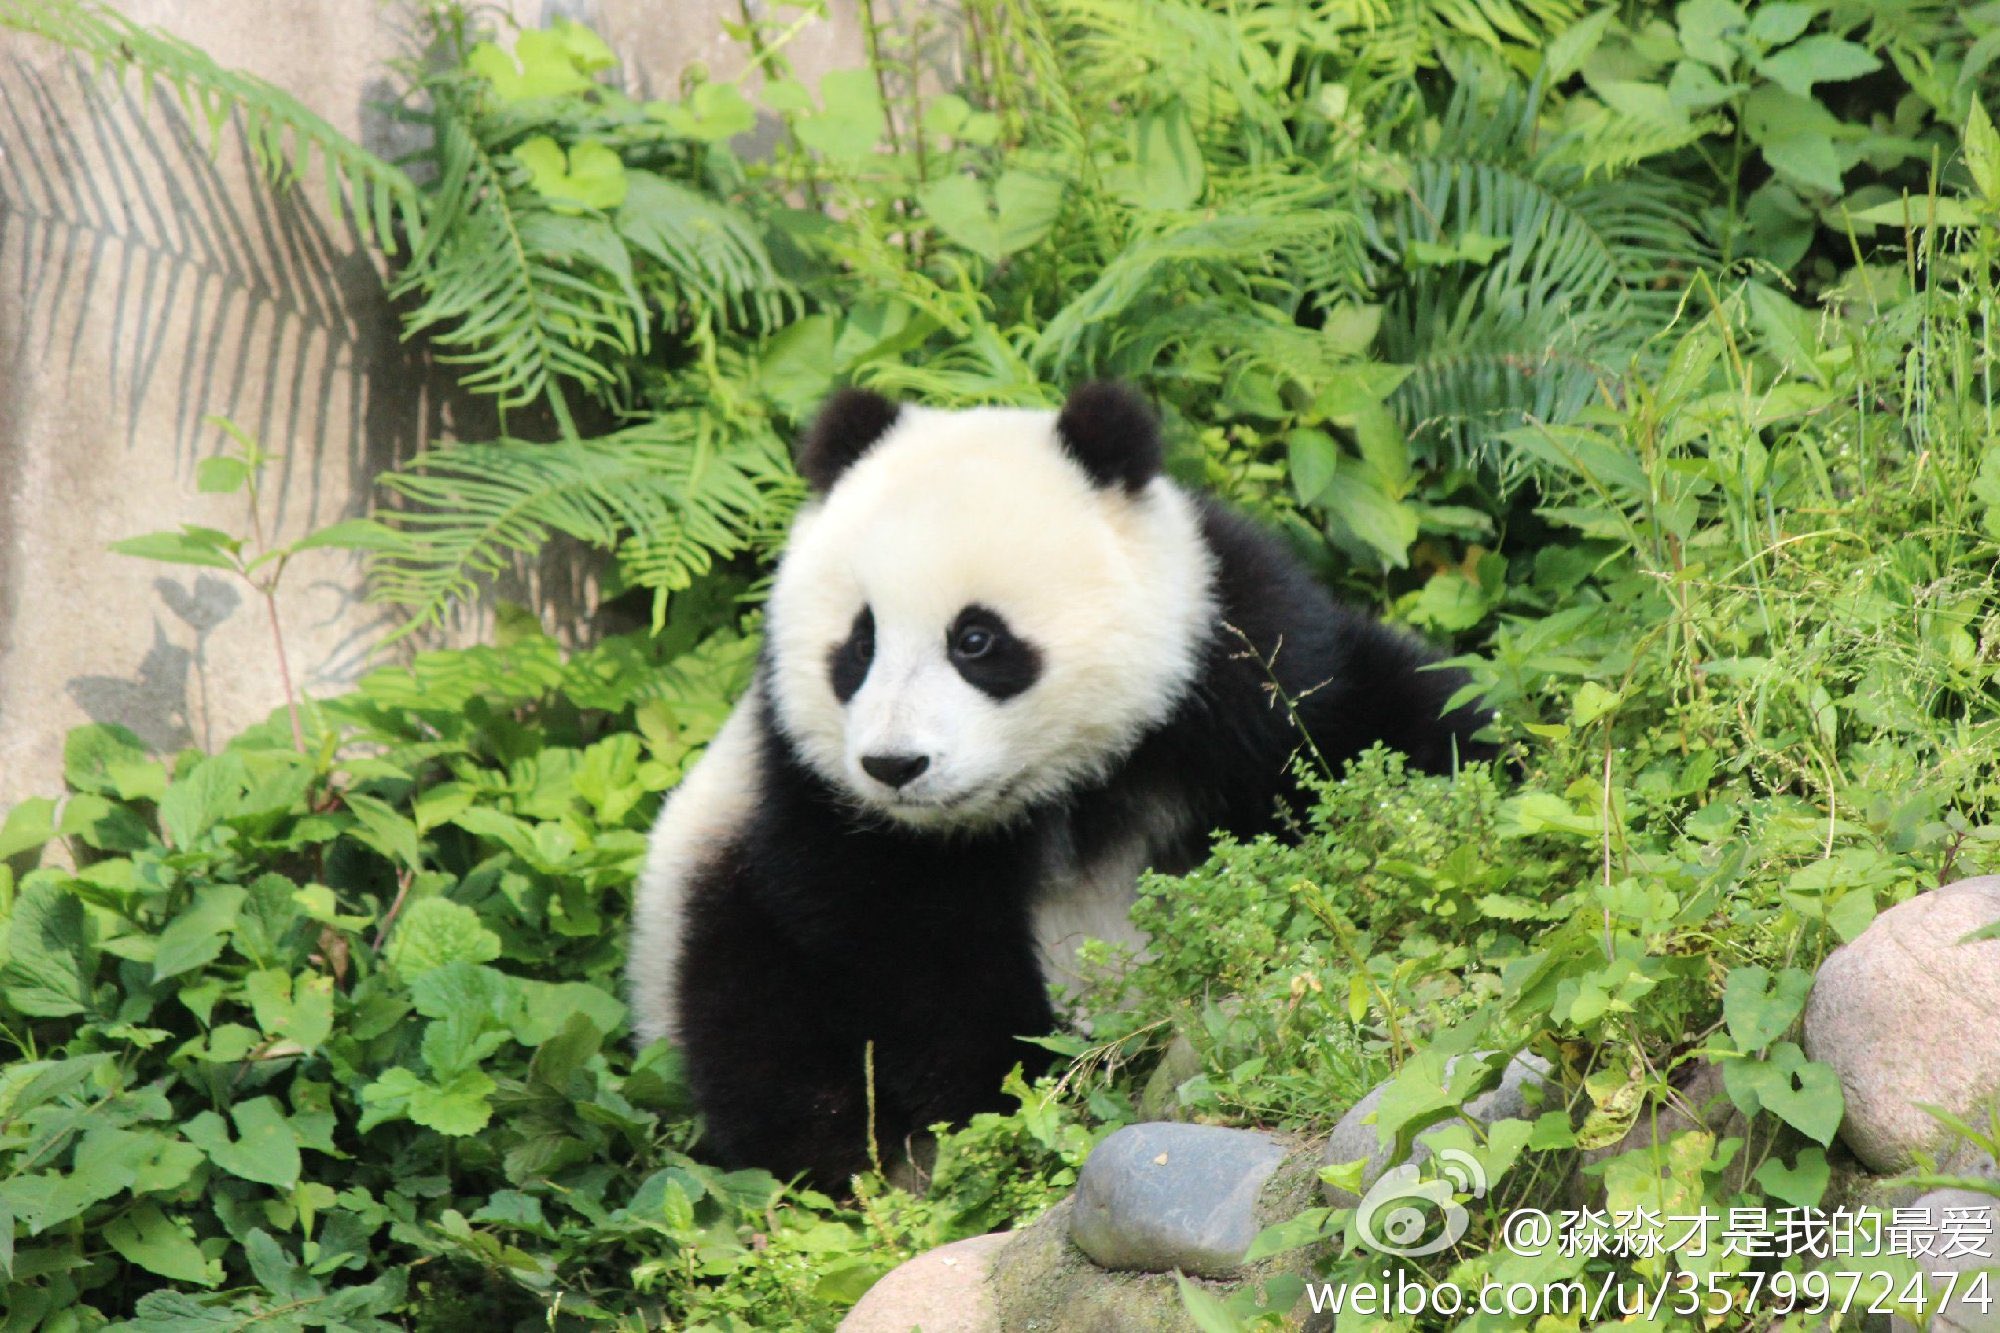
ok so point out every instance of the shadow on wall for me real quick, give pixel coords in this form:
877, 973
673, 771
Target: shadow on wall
157, 696
147, 285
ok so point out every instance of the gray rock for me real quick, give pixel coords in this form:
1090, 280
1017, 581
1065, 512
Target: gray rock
1972, 1224
1161, 1196
940, 1291
1893, 1012
1161, 1100
1045, 1284
1355, 1136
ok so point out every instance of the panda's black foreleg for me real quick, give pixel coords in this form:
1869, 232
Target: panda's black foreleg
777, 1085
802, 1063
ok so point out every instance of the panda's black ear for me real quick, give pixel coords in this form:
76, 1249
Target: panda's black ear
1113, 432
847, 425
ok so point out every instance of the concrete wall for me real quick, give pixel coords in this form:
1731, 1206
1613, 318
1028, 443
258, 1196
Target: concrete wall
146, 286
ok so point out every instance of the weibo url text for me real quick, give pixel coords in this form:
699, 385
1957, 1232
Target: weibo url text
1683, 1294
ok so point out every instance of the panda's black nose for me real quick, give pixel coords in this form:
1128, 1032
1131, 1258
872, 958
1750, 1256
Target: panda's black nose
894, 770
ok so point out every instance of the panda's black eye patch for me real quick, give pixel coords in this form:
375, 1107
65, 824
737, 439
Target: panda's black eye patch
990, 657
851, 658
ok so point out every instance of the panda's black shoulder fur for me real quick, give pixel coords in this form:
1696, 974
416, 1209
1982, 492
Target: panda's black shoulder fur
1282, 652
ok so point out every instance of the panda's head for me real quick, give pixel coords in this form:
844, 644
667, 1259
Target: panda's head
981, 610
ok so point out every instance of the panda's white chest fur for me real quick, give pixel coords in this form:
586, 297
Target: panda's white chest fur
1089, 897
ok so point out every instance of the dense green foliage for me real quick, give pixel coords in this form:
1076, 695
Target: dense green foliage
1646, 350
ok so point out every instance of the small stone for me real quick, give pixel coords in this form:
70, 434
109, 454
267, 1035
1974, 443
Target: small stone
1355, 1137
940, 1291
1154, 1197
1892, 1012
1941, 1222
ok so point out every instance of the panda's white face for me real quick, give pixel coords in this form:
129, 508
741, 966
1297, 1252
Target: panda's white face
966, 624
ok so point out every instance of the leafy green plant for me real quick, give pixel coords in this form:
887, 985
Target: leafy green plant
1495, 309
254, 559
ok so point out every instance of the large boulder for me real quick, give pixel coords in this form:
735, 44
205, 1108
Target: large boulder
1044, 1283
1157, 1197
1907, 1014
940, 1291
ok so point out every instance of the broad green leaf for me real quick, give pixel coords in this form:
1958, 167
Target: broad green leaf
1566, 52
459, 1107
1818, 59
27, 1084
148, 1238
1803, 1093
1803, 1183
299, 1009
1789, 333
1358, 505
354, 534
1694, 87
1448, 602
195, 937
201, 798
797, 366
543, 64
48, 957
28, 825
850, 122
1759, 1007
1775, 24
190, 546
1808, 159
264, 1150
1592, 702
1706, 27
221, 474
387, 830
1315, 462
433, 932
546, 1006
107, 759
585, 49
1918, 212
588, 175
1016, 212
712, 113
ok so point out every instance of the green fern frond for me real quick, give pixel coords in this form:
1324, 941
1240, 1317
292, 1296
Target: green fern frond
1248, 254
714, 259
670, 495
281, 132
526, 298
1582, 266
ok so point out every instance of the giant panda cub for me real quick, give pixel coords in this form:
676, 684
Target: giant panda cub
1007, 665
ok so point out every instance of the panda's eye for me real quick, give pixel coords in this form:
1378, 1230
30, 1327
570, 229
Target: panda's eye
973, 641
991, 657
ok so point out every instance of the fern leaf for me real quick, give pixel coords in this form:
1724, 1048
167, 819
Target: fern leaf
281, 132
524, 297
671, 495
714, 257
1583, 266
